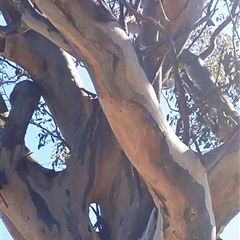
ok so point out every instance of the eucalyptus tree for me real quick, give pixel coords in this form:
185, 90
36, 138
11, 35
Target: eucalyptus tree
149, 173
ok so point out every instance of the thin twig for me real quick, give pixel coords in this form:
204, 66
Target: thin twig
90, 94
205, 26
195, 142
174, 110
228, 20
231, 15
181, 98
143, 17
49, 132
10, 64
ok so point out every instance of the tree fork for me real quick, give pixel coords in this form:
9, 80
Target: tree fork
52, 76
124, 93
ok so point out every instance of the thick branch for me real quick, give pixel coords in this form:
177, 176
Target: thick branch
224, 180
202, 84
12, 28
50, 71
38, 22
85, 126
169, 168
130, 97
30, 210
24, 100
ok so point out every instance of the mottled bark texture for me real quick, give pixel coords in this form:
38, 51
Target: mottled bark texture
124, 155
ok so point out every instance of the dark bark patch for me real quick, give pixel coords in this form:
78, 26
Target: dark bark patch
99, 11
50, 174
43, 211
72, 227
27, 168
11, 142
24, 100
3, 178
236, 178
92, 138
196, 213
125, 163
40, 204
3, 106
68, 192
2, 44
4, 201
72, 223
165, 216
88, 132
91, 170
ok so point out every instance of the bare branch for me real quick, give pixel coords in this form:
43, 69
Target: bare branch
228, 20
57, 136
205, 83
207, 23
40, 23
183, 108
157, 25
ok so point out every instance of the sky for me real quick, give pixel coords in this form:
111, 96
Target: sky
231, 232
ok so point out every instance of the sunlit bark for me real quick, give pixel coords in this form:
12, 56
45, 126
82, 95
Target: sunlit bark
124, 155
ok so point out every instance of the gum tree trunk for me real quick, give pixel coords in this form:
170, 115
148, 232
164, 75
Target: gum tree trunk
124, 155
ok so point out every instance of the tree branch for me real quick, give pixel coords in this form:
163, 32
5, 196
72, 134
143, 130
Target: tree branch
56, 72
13, 28
40, 23
125, 95
228, 20
182, 105
223, 175
24, 100
200, 81
170, 169
148, 19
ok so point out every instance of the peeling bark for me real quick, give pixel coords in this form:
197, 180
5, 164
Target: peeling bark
124, 155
